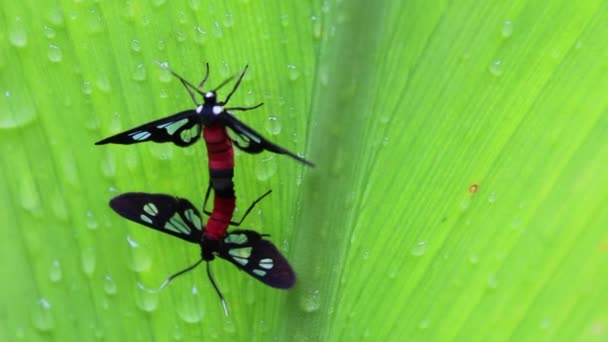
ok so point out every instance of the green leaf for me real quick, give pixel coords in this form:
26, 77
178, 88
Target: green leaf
460, 190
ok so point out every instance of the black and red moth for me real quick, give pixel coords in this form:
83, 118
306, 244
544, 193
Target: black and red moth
184, 128
246, 249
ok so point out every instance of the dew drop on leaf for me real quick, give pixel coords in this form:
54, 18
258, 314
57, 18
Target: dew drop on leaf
42, 317
189, 308
88, 260
419, 249
139, 74
273, 125
265, 168
496, 68
54, 53
16, 33
507, 29
292, 72
146, 301
310, 302
136, 45
109, 286
55, 272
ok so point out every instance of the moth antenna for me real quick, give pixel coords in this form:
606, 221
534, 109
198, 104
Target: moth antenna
200, 85
236, 85
189, 86
175, 275
219, 293
245, 108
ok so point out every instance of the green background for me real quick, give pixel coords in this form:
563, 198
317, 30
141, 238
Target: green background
461, 189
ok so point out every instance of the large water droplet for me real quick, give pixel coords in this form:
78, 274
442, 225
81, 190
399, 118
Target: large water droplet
492, 197
146, 300
88, 260
200, 35
140, 73
42, 316
29, 194
136, 45
95, 22
292, 72
91, 220
180, 36
103, 83
140, 259
86, 87
194, 4
310, 302
17, 34
419, 249
273, 125
284, 20
55, 272
228, 20
496, 68
316, 27
265, 168
507, 29
49, 32
217, 30
109, 286
492, 281
189, 308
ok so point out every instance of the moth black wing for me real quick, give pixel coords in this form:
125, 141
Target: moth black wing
183, 129
255, 142
248, 251
171, 215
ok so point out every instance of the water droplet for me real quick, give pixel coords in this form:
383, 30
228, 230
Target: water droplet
103, 83
55, 16
55, 272
146, 300
556, 54
217, 30
29, 194
158, 3
492, 197
492, 281
16, 33
132, 242
178, 335
189, 308
496, 68
181, 17
136, 45
419, 249
229, 327
316, 27
200, 35
91, 221
7, 93
265, 168
545, 324
96, 24
273, 125
292, 72
109, 286
474, 259
507, 29
424, 324
195, 4
161, 45
285, 20
140, 259
310, 302
228, 20
49, 32
180, 36
88, 261
86, 87
42, 316
465, 203
140, 73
